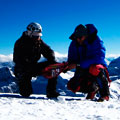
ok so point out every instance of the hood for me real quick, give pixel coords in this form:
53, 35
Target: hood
92, 33
91, 29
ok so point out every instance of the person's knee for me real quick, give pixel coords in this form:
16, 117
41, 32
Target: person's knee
25, 91
25, 94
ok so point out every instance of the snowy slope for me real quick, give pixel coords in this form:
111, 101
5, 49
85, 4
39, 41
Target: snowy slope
75, 107
41, 109
114, 67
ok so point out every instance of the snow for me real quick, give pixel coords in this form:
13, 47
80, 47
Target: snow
39, 108
6, 58
112, 56
67, 107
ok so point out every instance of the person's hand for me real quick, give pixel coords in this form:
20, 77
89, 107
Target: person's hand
69, 67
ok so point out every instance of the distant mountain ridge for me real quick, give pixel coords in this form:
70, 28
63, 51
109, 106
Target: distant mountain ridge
8, 81
114, 67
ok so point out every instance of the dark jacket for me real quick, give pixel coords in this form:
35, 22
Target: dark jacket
91, 52
27, 51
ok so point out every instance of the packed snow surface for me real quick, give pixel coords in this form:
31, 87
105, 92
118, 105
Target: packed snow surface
38, 107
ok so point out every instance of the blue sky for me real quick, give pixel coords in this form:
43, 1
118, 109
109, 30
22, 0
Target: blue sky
59, 19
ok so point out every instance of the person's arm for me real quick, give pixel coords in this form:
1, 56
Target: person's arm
71, 66
97, 54
72, 53
47, 52
18, 52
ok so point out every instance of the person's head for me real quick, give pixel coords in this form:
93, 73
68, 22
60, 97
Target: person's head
79, 34
34, 30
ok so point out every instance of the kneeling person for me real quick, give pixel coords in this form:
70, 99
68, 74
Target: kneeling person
87, 54
27, 51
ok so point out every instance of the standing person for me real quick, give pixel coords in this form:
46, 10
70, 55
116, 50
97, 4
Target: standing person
87, 54
27, 51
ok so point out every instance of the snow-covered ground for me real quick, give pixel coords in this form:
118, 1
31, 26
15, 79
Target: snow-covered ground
39, 108
67, 107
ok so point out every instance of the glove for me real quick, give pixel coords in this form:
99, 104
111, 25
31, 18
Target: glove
66, 67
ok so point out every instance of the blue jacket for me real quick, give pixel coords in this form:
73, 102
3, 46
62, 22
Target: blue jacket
91, 52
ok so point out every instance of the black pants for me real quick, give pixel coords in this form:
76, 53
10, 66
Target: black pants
103, 83
88, 83
25, 74
82, 81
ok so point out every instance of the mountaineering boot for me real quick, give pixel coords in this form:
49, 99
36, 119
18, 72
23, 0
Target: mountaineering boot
51, 88
25, 87
94, 89
91, 95
104, 88
53, 94
24, 84
101, 99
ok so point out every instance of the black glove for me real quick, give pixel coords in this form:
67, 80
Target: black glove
66, 68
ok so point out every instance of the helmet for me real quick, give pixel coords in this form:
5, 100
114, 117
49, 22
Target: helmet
34, 27
80, 31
